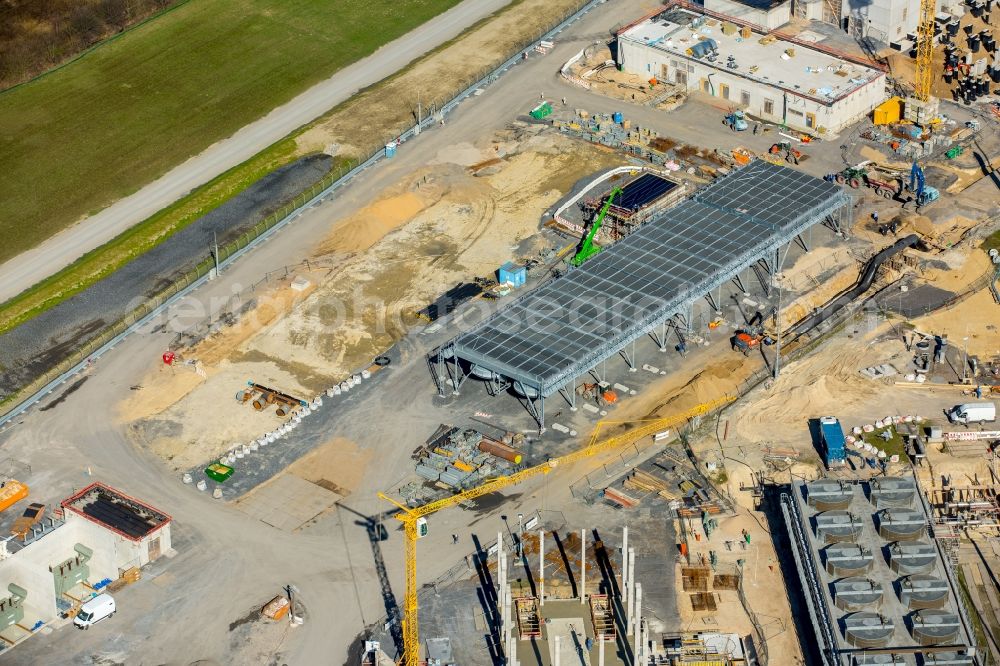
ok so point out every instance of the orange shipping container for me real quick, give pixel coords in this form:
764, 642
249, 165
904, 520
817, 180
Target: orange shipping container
11, 493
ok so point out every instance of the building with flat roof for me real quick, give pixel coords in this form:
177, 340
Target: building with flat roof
775, 78
141, 532
92, 539
769, 14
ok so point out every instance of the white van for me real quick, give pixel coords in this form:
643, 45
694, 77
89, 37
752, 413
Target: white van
95, 610
973, 412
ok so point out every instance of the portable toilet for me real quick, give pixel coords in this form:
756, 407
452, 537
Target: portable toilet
390, 148
512, 274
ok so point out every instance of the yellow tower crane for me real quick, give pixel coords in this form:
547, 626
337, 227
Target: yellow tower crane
925, 51
922, 108
414, 519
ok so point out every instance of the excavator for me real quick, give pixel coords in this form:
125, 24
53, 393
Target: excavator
919, 189
587, 247
749, 337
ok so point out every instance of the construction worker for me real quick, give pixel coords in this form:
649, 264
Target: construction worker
454, 538
875, 216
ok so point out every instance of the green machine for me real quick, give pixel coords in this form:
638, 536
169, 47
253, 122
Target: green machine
12, 608
587, 247
70, 573
541, 111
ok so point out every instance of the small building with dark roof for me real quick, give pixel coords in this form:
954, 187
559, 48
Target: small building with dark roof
139, 532
78, 550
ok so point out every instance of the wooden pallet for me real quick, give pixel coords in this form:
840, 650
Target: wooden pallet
695, 578
725, 582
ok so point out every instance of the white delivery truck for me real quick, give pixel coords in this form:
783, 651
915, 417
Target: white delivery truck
973, 412
95, 610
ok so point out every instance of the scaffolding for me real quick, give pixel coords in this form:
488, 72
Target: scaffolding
602, 615
529, 619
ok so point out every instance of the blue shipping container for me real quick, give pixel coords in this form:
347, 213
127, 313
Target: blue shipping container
511, 273
834, 445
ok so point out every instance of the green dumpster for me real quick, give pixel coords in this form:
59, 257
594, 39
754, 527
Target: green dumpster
541, 111
218, 472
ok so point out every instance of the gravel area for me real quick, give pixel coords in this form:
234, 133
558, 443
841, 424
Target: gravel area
32, 348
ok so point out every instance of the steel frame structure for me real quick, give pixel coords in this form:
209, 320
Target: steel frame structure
745, 220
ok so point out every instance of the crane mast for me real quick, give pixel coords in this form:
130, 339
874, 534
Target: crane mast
925, 51
412, 517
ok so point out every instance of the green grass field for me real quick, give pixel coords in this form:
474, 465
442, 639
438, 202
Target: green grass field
892, 447
100, 128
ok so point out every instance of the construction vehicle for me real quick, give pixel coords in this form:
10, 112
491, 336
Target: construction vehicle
414, 519
885, 181
32, 515
750, 336
921, 191
587, 247
736, 121
789, 153
746, 342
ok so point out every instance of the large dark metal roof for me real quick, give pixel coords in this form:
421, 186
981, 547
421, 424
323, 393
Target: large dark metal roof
123, 514
642, 191
568, 325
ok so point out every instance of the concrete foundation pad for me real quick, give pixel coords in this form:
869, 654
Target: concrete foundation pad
287, 502
572, 641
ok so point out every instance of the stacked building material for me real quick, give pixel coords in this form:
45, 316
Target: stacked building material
464, 458
620, 498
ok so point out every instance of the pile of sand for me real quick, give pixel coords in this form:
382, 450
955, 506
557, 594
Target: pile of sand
339, 465
209, 420
977, 317
442, 227
824, 380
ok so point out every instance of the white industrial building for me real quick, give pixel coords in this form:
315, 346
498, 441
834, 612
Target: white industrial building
92, 539
769, 14
773, 78
884, 21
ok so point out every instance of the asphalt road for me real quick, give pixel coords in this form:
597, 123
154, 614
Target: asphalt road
62, 249
35, 346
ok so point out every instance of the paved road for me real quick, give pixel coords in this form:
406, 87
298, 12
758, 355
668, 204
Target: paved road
59, 251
